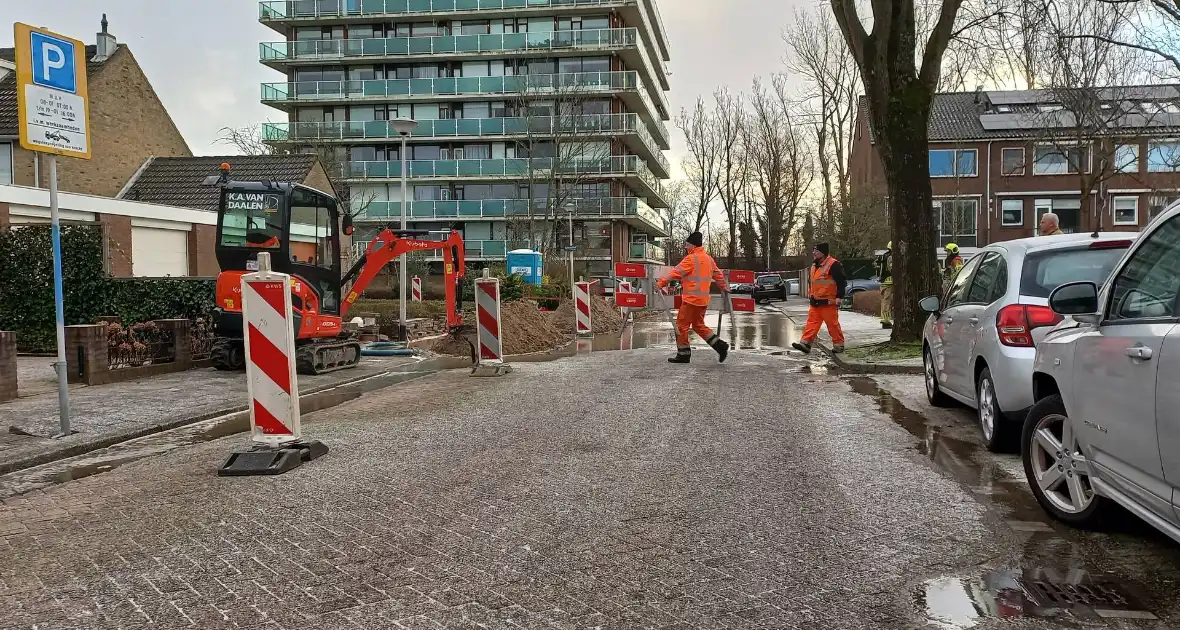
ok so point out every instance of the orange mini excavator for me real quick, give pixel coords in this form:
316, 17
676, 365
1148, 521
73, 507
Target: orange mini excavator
300, 227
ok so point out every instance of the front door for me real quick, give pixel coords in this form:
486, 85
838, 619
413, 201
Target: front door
980, 293
1113, 402
953, 325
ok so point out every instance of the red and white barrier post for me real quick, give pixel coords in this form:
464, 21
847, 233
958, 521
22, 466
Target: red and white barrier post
416, 289
273, 387
488, 330
582, 318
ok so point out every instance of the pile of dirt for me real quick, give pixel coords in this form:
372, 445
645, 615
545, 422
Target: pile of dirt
524, 329
604, 317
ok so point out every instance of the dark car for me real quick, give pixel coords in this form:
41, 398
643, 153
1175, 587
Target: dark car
767, 288
856, 286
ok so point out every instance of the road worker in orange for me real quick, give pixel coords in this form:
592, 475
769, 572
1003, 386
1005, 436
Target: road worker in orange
826, 291
696, 273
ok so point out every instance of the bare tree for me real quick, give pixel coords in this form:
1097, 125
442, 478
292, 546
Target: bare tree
679, 217
733, 169
1155, 30
702, 164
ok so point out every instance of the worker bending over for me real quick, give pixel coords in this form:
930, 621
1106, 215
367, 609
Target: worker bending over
826, 291
696, 273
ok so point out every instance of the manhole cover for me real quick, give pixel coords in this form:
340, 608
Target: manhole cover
1094, 594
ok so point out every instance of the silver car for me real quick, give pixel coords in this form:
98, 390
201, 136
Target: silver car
1106, 425
980, 339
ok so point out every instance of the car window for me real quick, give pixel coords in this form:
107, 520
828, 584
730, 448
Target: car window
984, 283
1148, 283
957, 292
768, 280
1045, 271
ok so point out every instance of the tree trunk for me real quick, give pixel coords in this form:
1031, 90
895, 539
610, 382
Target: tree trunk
904, 152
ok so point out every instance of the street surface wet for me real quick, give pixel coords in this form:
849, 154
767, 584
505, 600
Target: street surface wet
1058, 577
744, 331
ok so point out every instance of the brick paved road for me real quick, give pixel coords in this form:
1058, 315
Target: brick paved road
609, 491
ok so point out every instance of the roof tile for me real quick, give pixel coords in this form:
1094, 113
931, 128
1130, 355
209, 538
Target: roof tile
176, 181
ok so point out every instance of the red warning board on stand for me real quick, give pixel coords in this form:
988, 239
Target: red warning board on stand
631, 300
741, 304
741, 276
630, 270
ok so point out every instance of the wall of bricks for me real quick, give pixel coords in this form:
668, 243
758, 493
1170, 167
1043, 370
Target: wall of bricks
118, 234
8, 384
4, 216
202, 255
88, 362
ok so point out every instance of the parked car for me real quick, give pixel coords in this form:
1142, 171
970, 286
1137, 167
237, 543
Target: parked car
856, 286
767, 288
979, 342
793, 286
1106, 424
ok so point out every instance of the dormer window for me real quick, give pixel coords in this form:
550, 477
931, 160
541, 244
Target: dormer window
1003, 109
1050, 107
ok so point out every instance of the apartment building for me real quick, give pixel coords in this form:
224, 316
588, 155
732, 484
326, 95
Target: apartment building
529, 112
1001, 159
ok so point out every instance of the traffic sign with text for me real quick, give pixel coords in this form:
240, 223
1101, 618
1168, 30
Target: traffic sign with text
53, 108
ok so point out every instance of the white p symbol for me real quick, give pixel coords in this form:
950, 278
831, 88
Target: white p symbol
53, 58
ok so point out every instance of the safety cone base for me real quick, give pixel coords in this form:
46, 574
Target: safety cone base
491, 369
264, 460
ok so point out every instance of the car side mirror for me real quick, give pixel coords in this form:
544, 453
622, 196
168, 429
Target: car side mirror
929, 304
1077, 299
346, 225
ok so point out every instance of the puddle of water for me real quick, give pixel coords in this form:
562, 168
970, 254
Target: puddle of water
743, 331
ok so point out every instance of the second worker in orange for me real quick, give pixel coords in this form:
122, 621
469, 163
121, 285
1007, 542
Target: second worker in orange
825, 290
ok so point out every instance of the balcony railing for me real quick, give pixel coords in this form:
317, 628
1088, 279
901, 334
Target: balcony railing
625, 165
287, 9
543, 126
568, 86
501, 208
605, 39
647, 251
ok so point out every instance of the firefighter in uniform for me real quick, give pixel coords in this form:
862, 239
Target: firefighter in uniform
826, 291
696, 273
885, 274
953, 261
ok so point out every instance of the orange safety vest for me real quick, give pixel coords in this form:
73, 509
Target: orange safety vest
823, 285
696, 273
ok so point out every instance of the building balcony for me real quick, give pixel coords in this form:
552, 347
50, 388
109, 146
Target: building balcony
623, 41
284, 14
564, 86
631, 169
647, 252
633, 211
629, 127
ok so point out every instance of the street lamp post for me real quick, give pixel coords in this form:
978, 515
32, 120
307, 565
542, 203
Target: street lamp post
404, 127
569, 213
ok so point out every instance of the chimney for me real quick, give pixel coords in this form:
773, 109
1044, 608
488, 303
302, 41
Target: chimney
107, 45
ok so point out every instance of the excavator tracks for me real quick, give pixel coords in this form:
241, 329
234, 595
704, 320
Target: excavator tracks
321, 357
228, 354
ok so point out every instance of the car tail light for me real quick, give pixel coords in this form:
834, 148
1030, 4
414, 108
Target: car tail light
1110, 244
1016, 322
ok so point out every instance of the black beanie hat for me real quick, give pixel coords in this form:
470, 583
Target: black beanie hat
822, 247
696, 238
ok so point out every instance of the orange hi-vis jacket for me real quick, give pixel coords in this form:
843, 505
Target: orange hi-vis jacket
696, 273
823, 284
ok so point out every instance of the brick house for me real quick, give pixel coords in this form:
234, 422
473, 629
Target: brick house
1000, 159
128, 124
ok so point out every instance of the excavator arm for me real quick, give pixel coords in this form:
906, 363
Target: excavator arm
388, 246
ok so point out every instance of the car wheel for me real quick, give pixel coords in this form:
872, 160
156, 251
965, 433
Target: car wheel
933, 391
996, 429
1057, 470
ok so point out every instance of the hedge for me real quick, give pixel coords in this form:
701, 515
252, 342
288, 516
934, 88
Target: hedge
26, 286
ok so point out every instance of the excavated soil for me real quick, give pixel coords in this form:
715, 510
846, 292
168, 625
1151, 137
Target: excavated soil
524, 329
604, 317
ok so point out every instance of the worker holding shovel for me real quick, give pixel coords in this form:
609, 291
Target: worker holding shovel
696, 273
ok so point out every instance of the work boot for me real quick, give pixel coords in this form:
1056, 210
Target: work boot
681, 357
720, 346
802, 346
838, 348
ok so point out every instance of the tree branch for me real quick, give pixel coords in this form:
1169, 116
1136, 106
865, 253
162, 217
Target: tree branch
940, 38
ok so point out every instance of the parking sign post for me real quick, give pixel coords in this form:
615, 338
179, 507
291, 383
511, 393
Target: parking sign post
54, 118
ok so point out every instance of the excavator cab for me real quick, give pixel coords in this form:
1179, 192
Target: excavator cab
301, 228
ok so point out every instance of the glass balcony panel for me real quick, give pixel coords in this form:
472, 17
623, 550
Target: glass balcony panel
494, 249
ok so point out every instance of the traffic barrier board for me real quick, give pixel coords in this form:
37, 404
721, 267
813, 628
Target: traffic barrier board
630, 270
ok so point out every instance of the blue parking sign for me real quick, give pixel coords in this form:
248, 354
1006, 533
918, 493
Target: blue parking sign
53, 62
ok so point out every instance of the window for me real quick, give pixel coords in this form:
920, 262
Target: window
1053, 160
953, 163
1068, 211
478, 151
1012, 212
1163, 157
1047, 270
1158, 203
427, 193
1003, 109
1125, 210
990, 281
1147, 285
313, 233
1126, 158
1050, 107
6, 163
476, 28
957, 221
1012, 161
958, 289
252, 219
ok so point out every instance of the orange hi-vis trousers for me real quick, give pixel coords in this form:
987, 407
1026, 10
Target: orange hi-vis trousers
690, 317
829, 315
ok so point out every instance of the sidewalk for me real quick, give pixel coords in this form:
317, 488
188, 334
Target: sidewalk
107, 414
859, 330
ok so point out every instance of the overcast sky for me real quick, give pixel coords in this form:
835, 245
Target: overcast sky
202, 57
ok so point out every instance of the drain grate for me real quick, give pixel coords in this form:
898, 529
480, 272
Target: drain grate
1093, 594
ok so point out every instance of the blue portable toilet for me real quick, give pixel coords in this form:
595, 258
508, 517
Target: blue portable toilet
526, 263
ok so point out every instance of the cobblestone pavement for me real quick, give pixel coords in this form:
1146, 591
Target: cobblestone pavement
604, 491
